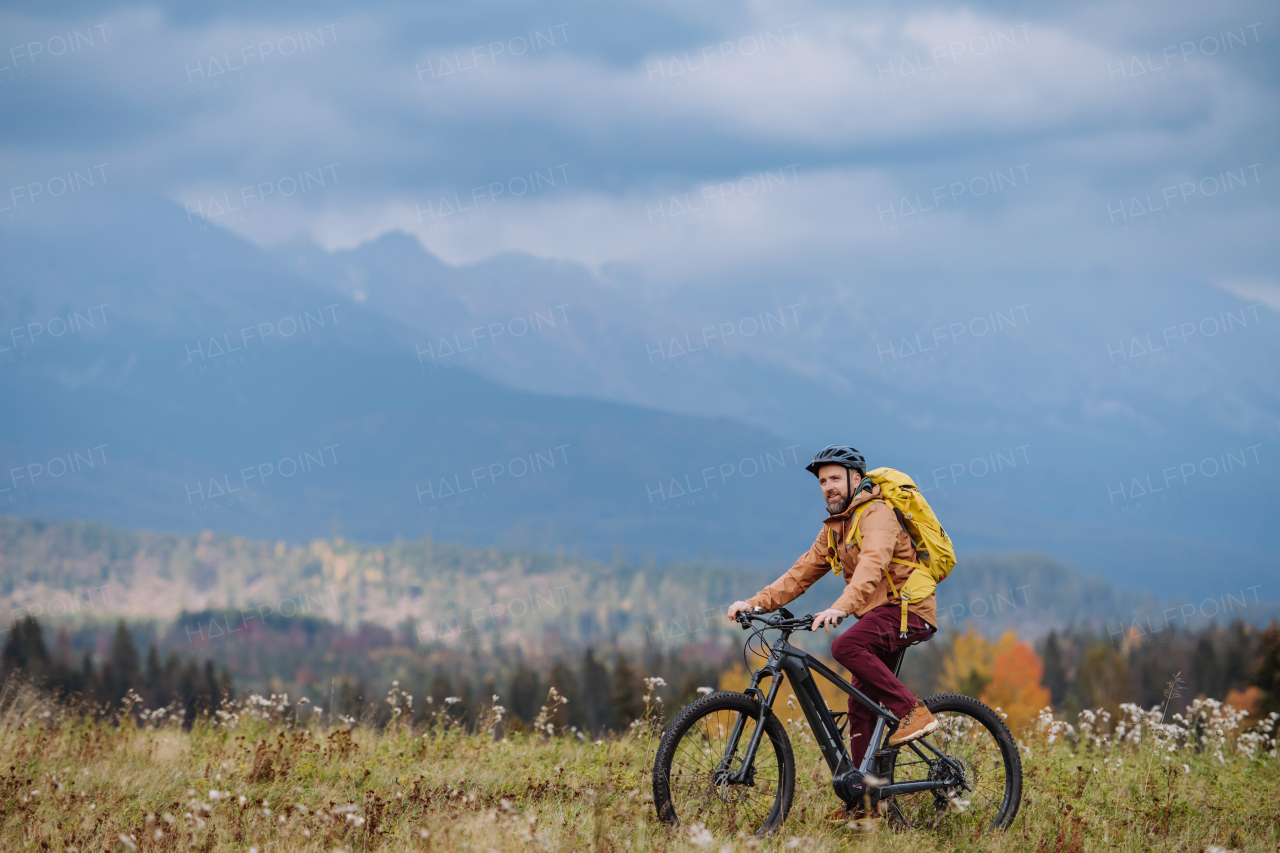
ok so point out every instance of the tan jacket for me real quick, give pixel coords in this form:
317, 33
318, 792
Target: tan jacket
864, 569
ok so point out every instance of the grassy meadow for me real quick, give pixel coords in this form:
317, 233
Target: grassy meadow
267, 775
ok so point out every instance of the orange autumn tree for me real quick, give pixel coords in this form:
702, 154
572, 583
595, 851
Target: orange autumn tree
1015, 686
1006, 674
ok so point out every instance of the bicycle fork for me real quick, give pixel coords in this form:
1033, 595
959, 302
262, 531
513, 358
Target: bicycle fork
744, 773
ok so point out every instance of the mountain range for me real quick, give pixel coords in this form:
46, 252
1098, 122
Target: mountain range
160, 372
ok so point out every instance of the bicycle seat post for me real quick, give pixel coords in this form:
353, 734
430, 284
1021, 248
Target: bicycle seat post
897, 664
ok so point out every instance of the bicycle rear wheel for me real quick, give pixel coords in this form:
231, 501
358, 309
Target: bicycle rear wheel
692, 768
983, 755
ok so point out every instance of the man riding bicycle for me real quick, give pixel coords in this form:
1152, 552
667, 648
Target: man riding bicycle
872, 572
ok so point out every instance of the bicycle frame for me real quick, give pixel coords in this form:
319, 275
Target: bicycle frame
799, 667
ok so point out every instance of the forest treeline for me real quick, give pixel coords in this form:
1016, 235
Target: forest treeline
349, 672
194, 687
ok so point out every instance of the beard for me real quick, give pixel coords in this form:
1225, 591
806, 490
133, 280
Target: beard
837, 505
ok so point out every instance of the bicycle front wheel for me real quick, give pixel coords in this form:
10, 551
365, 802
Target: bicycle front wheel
698, 778
977, 751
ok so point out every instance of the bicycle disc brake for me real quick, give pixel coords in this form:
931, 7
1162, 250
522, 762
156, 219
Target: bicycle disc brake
725, 786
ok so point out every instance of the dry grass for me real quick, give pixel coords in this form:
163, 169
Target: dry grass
260, 780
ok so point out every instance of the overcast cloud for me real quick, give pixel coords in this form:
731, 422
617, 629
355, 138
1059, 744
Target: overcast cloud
681, 144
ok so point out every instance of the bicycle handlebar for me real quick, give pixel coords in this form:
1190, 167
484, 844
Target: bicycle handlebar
803, 623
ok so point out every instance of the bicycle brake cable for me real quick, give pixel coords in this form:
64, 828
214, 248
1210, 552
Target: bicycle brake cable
756, 634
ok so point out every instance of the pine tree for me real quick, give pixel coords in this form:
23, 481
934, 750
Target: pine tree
93, 689
1236, 652
153, 678
598, 704
1267, 675
172, 666
441, 688
1102, 678
562, 678
211, 690
465, 710
188, 684
1055, 670
123, 664
1206, 675
25, 654
62, 650
525, 693
628, 691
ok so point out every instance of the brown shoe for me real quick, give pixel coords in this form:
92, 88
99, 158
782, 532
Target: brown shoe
840, 816
855, 818
917, 723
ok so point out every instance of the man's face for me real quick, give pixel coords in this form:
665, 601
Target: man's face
835, 484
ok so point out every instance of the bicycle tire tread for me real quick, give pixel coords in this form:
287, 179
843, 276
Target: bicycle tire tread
717, 701
994, 723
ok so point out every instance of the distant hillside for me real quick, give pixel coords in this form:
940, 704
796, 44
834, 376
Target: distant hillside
67, 572
379, 393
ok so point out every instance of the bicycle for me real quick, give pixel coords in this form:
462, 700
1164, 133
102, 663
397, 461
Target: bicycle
706, 768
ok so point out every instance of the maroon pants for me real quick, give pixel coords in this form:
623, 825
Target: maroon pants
866, 650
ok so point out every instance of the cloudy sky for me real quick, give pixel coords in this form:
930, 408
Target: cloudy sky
678, 142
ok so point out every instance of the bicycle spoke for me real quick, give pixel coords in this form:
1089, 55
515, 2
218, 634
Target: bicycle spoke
700, 789
966, 741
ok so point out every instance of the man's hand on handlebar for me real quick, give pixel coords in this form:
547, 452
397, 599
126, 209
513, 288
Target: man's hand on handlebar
828, 618
736, 608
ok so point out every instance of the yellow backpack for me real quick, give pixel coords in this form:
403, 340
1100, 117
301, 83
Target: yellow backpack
934, 550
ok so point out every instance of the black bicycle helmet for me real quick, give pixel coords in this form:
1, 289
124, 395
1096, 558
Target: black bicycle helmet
838, 454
